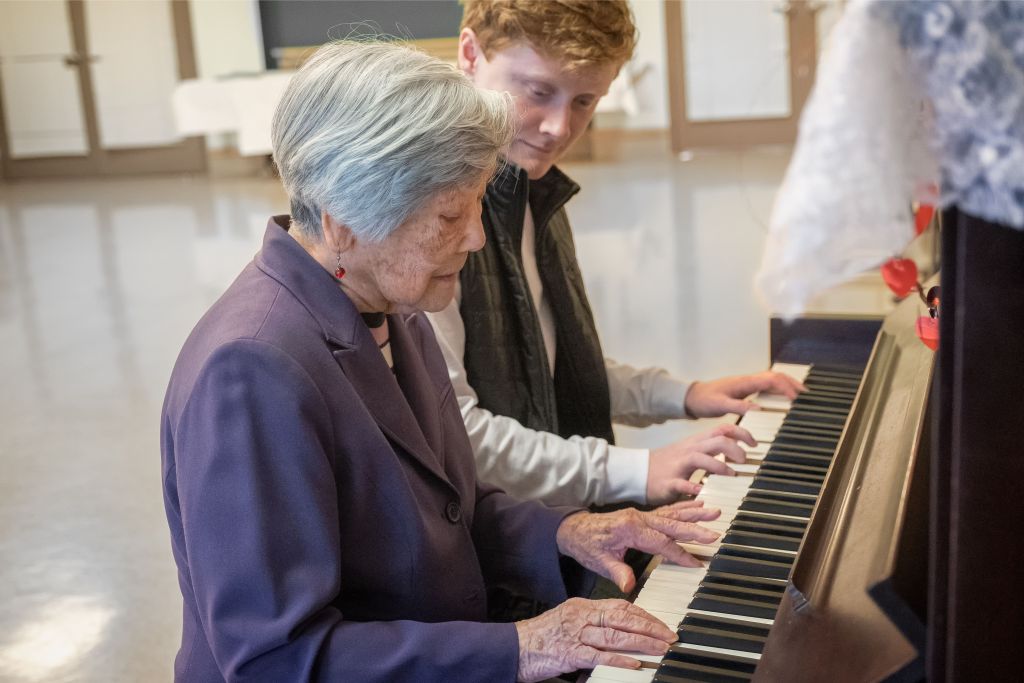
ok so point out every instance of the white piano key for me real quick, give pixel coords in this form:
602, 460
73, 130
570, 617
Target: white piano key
665, 565
735, 617
704, 553
745, 468
666, 591
671, 579
613, 674
798, 372
670, 619
657, 604
773, 402
653, 659
724, 482
757, 418
765, 435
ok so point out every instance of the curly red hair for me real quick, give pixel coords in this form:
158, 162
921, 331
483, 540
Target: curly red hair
579, 33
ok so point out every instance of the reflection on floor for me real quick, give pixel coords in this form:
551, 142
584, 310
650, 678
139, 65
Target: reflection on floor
100, 282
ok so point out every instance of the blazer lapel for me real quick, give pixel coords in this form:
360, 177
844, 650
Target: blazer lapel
376, 385
354, 348
420, 390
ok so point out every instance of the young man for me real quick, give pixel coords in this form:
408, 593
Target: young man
536, 393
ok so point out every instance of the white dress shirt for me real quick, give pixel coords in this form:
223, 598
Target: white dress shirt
530, 464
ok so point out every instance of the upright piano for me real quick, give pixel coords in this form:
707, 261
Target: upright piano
877, 530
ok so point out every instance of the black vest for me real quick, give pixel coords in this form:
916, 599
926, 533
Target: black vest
506, 363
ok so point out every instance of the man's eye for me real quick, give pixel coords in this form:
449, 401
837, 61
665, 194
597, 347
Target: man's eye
539, 93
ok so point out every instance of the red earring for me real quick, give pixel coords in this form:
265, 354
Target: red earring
339, 272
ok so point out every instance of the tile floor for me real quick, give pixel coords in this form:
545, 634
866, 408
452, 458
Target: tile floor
100, 282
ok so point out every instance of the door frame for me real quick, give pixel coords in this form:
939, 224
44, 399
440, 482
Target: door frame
802, 39
187, 156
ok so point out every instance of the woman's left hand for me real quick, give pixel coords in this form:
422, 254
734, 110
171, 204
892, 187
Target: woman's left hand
599, 541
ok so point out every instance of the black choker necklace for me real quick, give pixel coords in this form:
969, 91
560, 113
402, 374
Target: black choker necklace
373, 320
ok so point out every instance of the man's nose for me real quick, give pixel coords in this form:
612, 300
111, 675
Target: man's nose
557, 122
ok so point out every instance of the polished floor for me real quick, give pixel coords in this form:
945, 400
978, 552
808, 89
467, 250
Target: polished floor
100, 282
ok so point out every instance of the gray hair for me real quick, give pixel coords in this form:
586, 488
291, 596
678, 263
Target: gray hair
368, 131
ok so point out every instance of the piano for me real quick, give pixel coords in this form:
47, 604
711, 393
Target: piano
876, 531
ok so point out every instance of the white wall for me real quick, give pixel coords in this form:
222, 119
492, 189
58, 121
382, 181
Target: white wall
226, 36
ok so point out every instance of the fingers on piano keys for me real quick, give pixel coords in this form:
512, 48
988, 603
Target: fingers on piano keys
723, 611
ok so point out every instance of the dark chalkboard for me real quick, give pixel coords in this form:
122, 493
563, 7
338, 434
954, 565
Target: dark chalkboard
299, 23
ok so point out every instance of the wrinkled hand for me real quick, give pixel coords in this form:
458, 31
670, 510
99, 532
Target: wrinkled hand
578, 634
727, 395
599, 541
670, 467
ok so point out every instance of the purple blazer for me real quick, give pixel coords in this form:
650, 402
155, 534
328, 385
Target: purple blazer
325, 514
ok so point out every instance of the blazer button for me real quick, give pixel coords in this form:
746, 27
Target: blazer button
453, 512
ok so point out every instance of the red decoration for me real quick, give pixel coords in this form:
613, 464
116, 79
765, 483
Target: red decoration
339, 273
928, 331
900, 274
923, 218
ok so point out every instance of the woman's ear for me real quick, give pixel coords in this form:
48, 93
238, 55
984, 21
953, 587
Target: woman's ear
338, 237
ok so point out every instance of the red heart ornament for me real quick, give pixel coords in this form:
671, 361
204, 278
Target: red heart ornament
923, 218
928, 331
900, 274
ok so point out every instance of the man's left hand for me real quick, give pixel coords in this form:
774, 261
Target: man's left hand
728, 394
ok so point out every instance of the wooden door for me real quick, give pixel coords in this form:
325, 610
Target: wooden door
73, 79
749, 84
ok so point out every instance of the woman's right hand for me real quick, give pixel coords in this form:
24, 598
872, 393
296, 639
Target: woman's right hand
580, 634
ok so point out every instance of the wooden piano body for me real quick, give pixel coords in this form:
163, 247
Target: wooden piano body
911, 565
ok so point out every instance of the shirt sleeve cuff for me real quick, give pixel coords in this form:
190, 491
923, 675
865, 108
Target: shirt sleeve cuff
627, 474
668, 396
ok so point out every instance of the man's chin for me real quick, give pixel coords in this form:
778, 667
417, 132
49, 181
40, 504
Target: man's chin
535, 167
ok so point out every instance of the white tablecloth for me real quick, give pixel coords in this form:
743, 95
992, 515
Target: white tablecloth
243, 105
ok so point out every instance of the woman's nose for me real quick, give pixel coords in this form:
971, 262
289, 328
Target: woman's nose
474, 238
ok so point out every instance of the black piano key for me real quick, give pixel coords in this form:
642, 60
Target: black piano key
730, 605
808, 472
775, 507
789, 456
750, 566
760, 540
805, 441
838, 374
801, 447
698, 635
684, 665
782, 540
778, 585
827, 419
742, 588
841, 410
782, 484
749, 521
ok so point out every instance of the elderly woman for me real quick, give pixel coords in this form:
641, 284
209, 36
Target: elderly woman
319, 484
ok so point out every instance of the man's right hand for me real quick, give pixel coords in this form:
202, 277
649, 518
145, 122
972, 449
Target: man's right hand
670, 467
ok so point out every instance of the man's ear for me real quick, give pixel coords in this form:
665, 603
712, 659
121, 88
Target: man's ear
470, 52
338, 237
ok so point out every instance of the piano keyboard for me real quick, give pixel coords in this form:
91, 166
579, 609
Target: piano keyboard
723, 611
